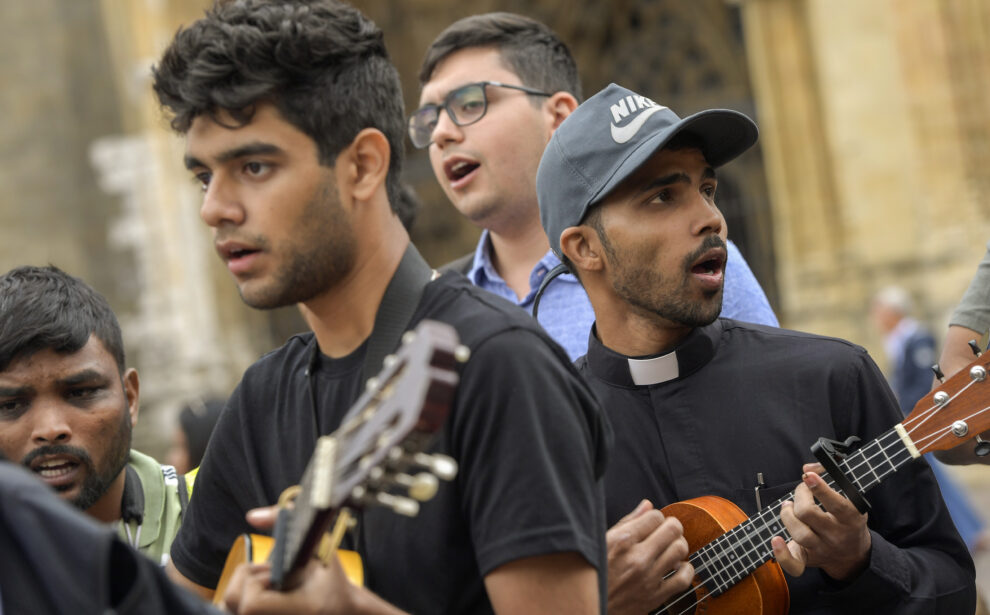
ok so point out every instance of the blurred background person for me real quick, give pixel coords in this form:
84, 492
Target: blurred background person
196, 422
910, 349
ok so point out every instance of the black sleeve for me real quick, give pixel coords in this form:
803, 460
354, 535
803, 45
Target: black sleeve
918, 563
528, 435
57, 560
221, 494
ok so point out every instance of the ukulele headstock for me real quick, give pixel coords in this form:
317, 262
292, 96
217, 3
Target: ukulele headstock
955, 411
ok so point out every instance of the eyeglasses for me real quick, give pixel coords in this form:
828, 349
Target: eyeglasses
465, 106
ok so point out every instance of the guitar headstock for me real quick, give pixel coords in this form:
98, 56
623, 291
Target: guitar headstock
384, 434
377, 455
954, 412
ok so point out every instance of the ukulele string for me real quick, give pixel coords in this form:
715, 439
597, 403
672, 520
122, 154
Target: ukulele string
943, 432
911, 426
761, 549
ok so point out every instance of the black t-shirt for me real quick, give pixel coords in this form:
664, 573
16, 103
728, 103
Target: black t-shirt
749, 399
524, 428
54, 559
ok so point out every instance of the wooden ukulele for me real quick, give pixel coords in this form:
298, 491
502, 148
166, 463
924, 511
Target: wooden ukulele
368, 461
734, 567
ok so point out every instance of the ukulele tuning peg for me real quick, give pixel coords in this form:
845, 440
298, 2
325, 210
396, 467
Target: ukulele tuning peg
390, 360
978, 373
462, 353
975, 347
408, 337
938, 372
982, 447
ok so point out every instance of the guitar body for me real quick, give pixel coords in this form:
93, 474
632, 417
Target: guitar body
762, 593
255, 549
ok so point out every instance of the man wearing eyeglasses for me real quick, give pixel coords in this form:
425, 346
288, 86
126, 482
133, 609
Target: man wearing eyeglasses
494, 88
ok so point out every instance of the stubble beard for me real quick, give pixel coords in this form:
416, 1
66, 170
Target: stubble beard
321, 253
649, 291
98, 480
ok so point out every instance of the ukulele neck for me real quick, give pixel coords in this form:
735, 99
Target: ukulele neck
733, 556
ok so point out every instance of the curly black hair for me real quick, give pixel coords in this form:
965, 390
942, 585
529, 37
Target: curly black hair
320, 62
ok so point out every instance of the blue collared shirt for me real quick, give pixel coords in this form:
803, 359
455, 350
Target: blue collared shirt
565, 311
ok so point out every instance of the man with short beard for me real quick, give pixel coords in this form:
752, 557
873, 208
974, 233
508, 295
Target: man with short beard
68, 405
293, 126
709, 406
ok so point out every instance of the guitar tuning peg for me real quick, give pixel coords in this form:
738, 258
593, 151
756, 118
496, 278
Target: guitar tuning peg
938, 372
389, 360
975, 347
406, 507
982, 447
422, 487
442, 466
462, 353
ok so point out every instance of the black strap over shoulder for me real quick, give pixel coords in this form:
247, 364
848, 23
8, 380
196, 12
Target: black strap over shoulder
397, 307
553, 273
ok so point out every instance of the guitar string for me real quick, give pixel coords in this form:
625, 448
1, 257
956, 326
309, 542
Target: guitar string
733, 569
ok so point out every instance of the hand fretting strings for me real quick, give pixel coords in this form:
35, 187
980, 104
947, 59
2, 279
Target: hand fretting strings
734, 555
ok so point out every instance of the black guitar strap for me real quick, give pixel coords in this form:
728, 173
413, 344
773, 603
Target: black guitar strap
396, 309
400, 300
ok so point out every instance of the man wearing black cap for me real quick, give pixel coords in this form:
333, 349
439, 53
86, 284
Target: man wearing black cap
707, 406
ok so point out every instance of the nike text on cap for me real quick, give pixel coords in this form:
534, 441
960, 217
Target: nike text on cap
611, 135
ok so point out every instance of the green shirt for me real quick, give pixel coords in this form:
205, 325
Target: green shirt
152, 506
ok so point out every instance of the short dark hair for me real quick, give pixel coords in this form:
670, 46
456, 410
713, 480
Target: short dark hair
527, 47
320, 62
44, 307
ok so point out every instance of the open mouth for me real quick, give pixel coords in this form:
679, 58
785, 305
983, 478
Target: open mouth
59, 472
55, 468
711, 266
459, 169
237, 253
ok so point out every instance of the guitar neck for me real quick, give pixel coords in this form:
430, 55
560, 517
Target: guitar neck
734, 555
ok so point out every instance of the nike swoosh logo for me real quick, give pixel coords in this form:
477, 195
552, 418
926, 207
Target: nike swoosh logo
621, 135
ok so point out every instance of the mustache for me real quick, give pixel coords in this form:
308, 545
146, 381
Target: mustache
58, 449
711, 241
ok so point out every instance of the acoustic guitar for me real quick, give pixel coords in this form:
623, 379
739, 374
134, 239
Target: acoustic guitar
376, 458
733, 562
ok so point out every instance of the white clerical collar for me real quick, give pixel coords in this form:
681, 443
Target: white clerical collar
655, 370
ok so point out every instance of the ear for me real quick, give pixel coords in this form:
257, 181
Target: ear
581, 246
132, 387
560, 106
363, 165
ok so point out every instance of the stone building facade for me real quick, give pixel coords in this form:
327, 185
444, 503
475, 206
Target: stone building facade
871, 167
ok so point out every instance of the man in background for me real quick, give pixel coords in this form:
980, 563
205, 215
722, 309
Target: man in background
910, 349
494, 88
68, 406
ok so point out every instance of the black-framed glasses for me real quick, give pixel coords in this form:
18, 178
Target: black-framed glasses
465, 106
